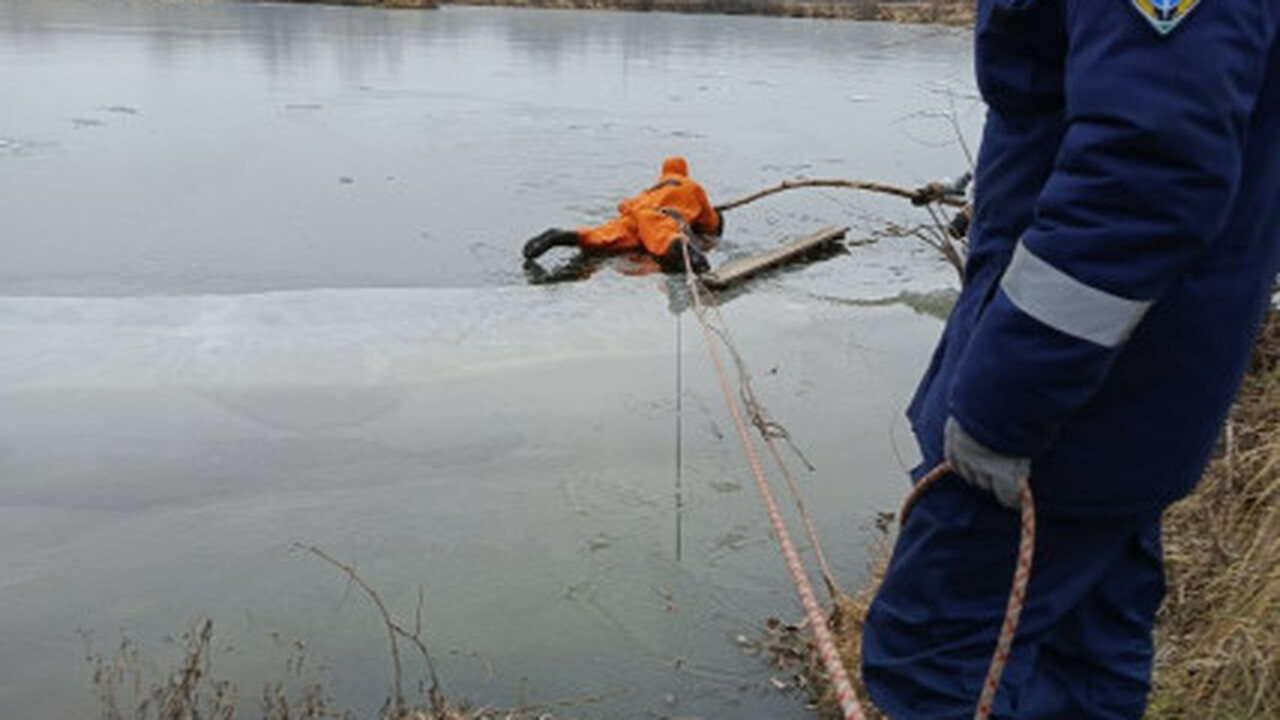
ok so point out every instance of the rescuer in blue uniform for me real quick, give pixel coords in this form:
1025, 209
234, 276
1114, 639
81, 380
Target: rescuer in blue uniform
1125, 239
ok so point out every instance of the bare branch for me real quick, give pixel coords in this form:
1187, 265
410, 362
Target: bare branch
387, 620
862, 185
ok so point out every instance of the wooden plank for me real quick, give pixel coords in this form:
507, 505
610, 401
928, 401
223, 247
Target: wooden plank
741, 268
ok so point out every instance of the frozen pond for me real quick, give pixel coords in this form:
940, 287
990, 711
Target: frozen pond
261, 285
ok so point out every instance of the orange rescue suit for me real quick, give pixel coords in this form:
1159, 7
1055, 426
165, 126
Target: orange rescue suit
645, 220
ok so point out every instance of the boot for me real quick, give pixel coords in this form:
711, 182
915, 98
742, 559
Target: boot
673, 260
548, 239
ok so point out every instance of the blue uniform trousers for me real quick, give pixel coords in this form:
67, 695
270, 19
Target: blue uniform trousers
1083, 648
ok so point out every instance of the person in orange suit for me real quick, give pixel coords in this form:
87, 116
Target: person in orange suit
655, 221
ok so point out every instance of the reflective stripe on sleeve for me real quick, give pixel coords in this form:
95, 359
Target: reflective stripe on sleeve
1067, 305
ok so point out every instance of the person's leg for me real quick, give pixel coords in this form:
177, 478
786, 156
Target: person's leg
933, 626
673, 260
547, 239
658, 231
615, 235
1097, 662
618, 234
664, 238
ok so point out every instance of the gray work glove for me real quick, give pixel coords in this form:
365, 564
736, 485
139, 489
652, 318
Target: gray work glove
982, 467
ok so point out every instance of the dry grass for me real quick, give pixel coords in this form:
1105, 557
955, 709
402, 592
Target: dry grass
386, 4
187, 689
1219, 630
846, 622
949, 12
937, 12
1218, 634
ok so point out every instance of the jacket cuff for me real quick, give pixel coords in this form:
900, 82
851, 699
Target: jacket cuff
1020, 380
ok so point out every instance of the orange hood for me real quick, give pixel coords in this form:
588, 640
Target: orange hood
675, 166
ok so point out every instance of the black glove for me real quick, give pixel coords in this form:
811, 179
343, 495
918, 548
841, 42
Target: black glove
959, 226
548, 239
720, 224
961, 184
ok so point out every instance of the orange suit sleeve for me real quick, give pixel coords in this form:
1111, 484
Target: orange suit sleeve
708, 220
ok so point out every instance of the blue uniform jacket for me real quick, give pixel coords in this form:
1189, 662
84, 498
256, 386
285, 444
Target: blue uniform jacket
1125, 239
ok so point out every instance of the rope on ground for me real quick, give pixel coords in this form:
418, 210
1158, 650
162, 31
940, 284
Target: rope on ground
1017, 594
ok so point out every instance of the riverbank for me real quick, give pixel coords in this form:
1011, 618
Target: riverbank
945, 12
1218, 633
390, 4
938, 12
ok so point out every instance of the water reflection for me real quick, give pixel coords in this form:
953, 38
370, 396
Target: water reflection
580, 266
286, 37
935, 304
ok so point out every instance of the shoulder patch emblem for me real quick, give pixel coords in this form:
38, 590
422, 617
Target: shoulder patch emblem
1165, 15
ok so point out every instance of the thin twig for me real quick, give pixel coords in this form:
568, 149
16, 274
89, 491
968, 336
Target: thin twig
944, 244
398, 704
434, 694
955, 127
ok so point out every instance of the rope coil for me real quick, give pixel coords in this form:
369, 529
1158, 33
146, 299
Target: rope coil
1017, 593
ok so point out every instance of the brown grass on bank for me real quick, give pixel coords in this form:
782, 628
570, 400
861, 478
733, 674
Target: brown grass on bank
936, 12
846, 626
1218, 637
187, 689
949, 12
384, 4
1218, 633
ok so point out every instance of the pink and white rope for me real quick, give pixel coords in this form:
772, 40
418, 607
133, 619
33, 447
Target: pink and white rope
1017, 594
849, 706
